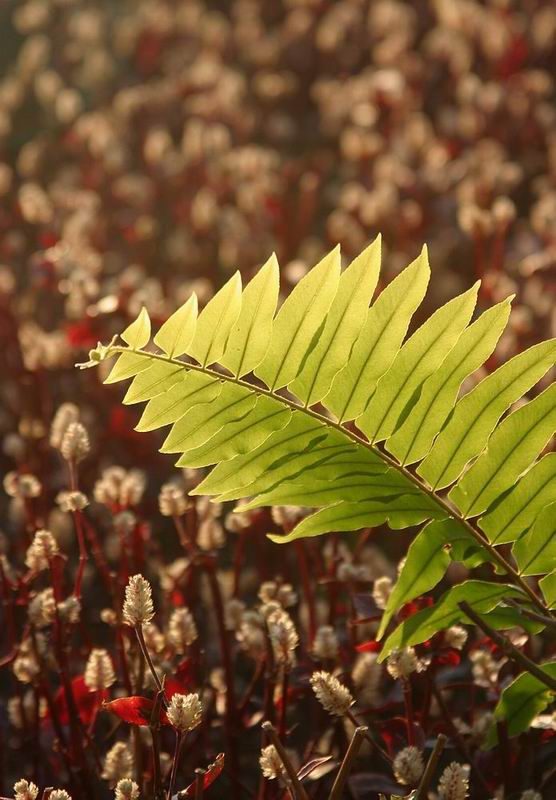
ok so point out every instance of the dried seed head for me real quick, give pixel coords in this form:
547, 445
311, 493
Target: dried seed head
99, 672
455, 636
71, 501
333, 696
138, 605
453, 783
172, 500
24, 790
42, 608
325, 644
283, 636
271, 763
41, 550
65, 415
381, 591
25, 485
126, 789
182, 630
118, 763
408, 766
59, 794
75, 443
185, 712
401, 663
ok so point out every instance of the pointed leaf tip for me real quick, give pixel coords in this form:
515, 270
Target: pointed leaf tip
138, 333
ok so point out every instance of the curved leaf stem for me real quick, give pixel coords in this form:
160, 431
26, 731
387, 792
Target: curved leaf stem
389, 460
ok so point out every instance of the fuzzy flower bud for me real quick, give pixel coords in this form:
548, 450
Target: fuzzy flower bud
283, 636
333, 696
24, 485
118, 763
530, 794
70, 609
99, 672
172, 500
408, 766
455, 636
138, 605
24, 790
126, 789
64, 416
401, 663
453, 784
282, 593
381, 591
71, 501
185, 712
41, 550
182, 630
271, 763
42, 608
59, 794
75, 443
325, 645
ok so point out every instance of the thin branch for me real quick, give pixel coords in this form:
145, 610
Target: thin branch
428, 774
199, 783
147, 656
494, 554
508, 648
550, 622
347, 763
298, 790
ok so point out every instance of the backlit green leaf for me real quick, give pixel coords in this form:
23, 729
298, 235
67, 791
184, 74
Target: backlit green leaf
343, 323
299, 319
535, 551
477, 413
139, 332
419, 357
251, 334
514, 445
215, 323
176, 334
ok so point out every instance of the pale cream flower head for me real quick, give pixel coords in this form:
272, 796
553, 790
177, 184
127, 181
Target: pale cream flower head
185, 712
333, 696
25, 790
271, 763
99, 671
126, 789
408, 766
454, 783
138, 605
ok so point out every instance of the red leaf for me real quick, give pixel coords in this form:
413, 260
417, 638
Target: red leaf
135, 710
212, 773
87, 702
372, 646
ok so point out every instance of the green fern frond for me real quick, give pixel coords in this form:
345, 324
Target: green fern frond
326, 404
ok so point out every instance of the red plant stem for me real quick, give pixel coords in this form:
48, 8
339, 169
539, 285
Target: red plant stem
306, 584
283, 704
231, 721
98, 555
251, 688
177, 750
83, 556
7, 605
239, 552
409, 716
